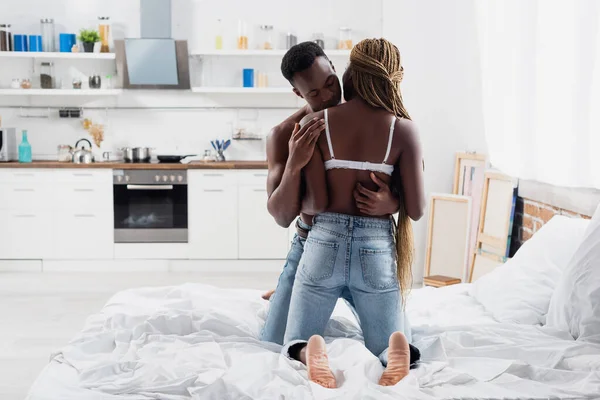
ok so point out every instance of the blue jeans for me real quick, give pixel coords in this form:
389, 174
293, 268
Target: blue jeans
277, 316
354, 254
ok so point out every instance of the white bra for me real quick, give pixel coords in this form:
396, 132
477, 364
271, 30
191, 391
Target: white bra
360, 165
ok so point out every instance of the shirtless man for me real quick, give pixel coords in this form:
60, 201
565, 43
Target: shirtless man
289, 150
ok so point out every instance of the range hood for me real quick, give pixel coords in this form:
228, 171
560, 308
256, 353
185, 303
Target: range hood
155, 60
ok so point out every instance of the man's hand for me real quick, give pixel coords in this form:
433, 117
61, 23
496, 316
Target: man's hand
375, 204
302, 143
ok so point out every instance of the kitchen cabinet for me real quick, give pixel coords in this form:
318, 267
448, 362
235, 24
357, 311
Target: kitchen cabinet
259, 236
82, 226
61, 214
213, 215
82, 235
24, 234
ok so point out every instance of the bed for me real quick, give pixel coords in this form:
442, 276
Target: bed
200, 342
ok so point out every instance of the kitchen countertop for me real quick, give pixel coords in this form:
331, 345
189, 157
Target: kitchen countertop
122, 165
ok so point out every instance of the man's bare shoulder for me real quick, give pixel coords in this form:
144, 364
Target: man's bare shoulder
281, 132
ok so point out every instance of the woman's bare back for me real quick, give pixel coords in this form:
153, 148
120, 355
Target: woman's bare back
358, 133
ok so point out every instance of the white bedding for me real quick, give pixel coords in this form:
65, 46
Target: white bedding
200, 342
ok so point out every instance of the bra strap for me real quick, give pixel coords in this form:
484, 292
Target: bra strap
389, 146
329, 135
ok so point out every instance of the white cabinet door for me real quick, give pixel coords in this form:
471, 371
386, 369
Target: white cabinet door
260, 237
213, 212
82, 235
213, 223
24, 234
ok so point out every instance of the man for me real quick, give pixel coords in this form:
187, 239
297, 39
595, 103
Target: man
289, 149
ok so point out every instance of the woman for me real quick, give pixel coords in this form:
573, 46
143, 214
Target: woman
369, 134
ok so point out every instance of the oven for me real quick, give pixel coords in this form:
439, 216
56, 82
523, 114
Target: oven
150, 206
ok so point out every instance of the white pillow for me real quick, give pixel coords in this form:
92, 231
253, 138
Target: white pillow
520, 290
575, 305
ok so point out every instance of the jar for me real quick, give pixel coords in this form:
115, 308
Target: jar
48, 34
219, 36
25, 84
345, 41
242, 36
95, 82
47, 75
6, 41
64, 153
15, 84
266, 39
104, 30
76, 83
319, 39
290, 40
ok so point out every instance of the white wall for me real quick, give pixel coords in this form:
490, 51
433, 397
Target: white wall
442, 87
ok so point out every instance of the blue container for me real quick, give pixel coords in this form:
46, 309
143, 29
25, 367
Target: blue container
25, 149
20, 43
67, 41
35, 42
248, 77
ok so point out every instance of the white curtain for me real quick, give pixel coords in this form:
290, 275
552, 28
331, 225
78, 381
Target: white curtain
541, 88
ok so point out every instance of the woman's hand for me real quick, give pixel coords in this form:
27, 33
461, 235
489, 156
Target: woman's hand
376, 203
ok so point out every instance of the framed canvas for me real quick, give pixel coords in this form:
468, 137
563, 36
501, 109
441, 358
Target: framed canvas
469, 177
448, 236
495, 222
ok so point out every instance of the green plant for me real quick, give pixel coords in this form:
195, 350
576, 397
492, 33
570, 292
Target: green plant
89, 36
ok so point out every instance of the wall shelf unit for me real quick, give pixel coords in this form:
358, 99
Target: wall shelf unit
60, 92
242, 90
57, 56
259, 53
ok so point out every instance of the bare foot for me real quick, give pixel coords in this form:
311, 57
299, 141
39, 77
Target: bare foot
318, 363
398, 360
267, 295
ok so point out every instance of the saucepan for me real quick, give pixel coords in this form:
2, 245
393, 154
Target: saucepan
137, 154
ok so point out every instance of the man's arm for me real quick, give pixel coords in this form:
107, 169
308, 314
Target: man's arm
286, 158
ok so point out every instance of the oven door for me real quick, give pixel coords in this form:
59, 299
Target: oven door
151, 213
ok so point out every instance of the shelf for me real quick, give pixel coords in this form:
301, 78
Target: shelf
262, 53
60, 92
242, 90
56, 56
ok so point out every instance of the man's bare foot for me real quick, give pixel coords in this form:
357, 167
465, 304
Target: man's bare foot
318, 363
267, 295
398, 360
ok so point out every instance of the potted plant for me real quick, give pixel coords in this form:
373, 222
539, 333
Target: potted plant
88, 37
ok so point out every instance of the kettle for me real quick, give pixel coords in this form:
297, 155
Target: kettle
83, 156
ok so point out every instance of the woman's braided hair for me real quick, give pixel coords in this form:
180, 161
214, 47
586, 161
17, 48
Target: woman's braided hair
376, 72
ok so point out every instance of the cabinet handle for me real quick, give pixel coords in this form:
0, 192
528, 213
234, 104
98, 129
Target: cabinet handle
84, 216
260, 175
25, 216
23, 174
214, 175
260, 190
213, 190
83, 190
24, 190
81, 174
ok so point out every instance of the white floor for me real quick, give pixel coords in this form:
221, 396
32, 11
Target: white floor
40, 312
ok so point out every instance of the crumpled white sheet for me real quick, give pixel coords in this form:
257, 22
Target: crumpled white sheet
199, 342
